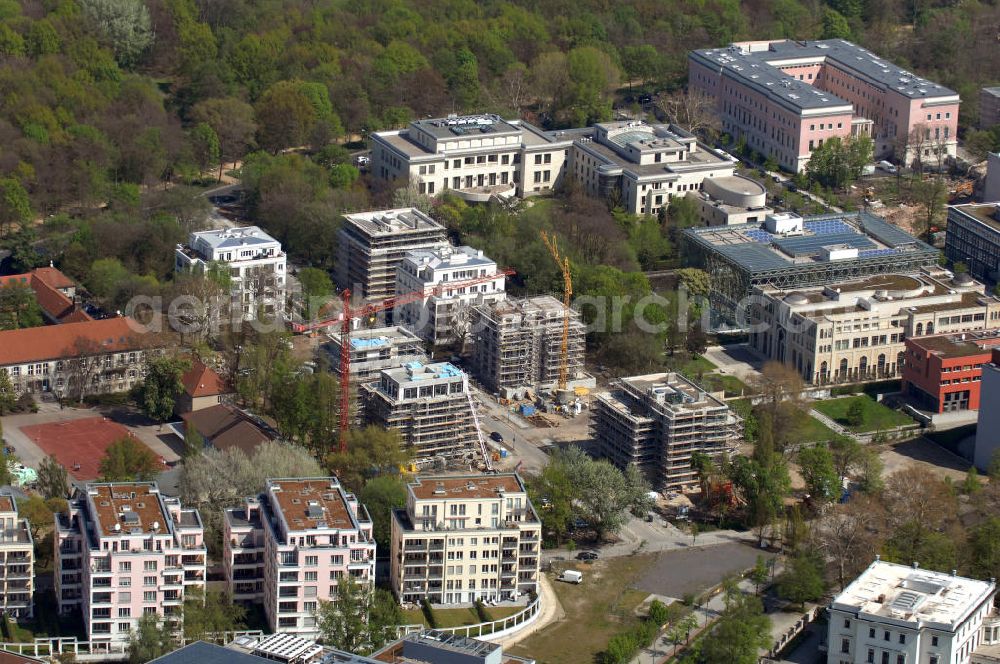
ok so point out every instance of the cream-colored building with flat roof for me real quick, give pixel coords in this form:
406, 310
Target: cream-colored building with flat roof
854, 330
463, 538
901, 614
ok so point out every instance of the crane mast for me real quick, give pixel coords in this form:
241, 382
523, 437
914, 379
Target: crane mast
563, 263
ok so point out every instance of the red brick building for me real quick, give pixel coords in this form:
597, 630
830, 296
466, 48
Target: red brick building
943, 373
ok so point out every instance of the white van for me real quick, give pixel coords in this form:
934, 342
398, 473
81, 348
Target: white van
571, 576
887, 166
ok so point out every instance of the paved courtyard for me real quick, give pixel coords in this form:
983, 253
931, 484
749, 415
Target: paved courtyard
694, 569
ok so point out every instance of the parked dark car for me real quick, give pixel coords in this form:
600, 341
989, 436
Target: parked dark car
496, 437
587, 555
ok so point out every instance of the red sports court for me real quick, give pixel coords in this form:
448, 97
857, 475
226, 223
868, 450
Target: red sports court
79, 445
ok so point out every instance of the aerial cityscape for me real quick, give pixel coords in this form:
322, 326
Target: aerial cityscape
359, 332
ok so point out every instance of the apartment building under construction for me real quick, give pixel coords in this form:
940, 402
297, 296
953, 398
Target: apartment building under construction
371, 245
519, 345
429, 404
657, 422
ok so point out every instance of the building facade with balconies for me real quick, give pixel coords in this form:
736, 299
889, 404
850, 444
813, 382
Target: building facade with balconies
465, 538
289, 547
657, 422
443, 314
17, 561
124, 550
371, 245
255, 262
429, 404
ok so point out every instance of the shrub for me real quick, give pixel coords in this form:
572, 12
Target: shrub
481, 612
429, 614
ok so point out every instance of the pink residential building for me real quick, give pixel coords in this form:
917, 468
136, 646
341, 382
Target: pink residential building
787, 97
289, 548
123, 551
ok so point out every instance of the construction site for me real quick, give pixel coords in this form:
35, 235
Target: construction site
657, 422
371, 246
517, 347
431, 407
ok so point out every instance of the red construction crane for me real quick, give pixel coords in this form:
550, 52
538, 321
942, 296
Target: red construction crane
368, 310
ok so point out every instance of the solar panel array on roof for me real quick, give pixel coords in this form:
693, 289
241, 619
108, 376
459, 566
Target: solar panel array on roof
886, 233
812, 245
828, 227
758, 235
754, 256
871, 253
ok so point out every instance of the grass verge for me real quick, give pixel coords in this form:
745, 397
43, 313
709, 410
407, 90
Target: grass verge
875, 416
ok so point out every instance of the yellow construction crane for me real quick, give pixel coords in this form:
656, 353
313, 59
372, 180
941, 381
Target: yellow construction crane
563, 263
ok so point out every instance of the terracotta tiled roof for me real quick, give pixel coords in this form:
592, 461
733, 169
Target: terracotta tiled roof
46, 282
53, 277
57, 342
201, 381
226, 426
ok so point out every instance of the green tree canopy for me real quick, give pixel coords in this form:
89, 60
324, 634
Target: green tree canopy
128, 460
380, 495
162, 385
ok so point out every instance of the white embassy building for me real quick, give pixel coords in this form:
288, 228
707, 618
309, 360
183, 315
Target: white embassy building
255, 260
445, 309
897, 614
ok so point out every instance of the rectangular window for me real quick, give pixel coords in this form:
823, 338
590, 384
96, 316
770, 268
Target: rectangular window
125, 566
149, 566
845, 645
149, 596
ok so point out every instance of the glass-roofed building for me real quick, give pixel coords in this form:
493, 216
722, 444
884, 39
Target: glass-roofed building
789, 251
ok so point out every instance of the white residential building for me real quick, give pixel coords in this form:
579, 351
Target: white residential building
465, 537
255, 261
445, 311
641, 166
897, 614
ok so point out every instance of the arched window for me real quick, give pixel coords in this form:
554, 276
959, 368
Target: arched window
881, 364
843, 369
863, 367
823, 372
930, 328
920, 329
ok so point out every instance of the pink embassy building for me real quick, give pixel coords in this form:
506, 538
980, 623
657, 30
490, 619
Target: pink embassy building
289, 548
787, 97
124, 551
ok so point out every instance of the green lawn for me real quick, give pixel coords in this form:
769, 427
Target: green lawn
810, 430
876, 416
690, 366
458, 617
597, 609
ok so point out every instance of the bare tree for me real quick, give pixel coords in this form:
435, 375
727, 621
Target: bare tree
692, 110
849, 534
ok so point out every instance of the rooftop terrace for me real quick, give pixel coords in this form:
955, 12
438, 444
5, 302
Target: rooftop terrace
465, 486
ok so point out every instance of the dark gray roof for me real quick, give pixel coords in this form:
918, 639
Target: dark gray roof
754, 249
756, 70
200, 652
